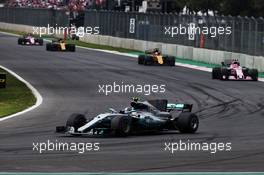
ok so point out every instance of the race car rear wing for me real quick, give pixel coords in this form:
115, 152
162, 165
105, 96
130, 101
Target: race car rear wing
151, 51
179, 107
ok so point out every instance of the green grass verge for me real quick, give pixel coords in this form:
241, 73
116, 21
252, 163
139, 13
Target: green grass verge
80, 43
15, 97
23, 33
12, 31
130, 51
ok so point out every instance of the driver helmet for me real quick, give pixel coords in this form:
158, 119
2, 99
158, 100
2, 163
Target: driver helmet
235, 61
134, 102
61, 40
135, 99
156, 51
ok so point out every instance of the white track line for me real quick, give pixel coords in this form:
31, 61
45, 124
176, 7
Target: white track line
39, 98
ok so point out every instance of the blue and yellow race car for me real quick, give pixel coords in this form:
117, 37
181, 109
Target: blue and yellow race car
154, 57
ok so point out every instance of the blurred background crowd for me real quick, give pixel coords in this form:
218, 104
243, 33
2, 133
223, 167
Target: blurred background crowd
72, 5
220, 7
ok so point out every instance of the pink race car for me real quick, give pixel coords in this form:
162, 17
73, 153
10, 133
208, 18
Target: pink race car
231, 70
30, 40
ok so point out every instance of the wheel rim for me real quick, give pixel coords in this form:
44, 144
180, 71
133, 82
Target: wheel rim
194, 123
127, 129
126, 126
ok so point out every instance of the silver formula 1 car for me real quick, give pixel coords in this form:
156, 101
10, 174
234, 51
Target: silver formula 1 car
140, 116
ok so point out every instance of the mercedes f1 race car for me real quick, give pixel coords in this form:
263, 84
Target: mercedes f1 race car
154, 56
60, 45
231, 70
30, 40
140, 116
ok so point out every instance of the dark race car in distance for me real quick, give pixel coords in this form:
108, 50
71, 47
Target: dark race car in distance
30, 40
154, 57
60, 45
140, 116
231, 70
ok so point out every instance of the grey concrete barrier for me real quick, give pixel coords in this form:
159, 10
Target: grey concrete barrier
185, 52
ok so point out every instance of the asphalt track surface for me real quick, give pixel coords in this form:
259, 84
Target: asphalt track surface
68, 82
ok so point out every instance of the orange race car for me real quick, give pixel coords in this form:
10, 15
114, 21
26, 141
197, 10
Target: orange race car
60, 45
154, 56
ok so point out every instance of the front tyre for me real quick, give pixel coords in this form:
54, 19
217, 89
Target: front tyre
76, 121
224, 74
187, 122
148, 60
20, 41
121, 125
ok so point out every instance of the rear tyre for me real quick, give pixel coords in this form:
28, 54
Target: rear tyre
121, 125
187, 122
40, 41
254, 74
216, 73
141, 59
48, 46
70, 47
170, 60
76, 121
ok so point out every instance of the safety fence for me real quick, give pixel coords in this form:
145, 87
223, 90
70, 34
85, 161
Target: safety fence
34, 17
235, 34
